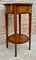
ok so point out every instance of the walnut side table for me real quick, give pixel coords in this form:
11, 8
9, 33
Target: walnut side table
18, 8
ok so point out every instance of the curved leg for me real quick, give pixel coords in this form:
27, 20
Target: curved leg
30, 15
6, 21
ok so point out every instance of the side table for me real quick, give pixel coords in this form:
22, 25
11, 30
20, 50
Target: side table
18, 8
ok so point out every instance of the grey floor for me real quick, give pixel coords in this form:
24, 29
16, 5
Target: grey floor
22, 51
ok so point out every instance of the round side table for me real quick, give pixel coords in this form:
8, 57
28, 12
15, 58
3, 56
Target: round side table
18, 8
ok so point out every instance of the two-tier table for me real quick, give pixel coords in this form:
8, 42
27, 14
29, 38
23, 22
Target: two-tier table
18, 8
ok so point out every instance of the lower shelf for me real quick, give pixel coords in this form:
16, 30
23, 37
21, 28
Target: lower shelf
18, 38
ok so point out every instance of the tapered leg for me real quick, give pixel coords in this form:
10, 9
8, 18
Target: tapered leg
19, 23
15, 29
6, 20
30, 15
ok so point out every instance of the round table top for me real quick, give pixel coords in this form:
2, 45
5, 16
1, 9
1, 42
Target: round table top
16, 3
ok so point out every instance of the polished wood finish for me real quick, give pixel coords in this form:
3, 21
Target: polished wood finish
30, 22
20, 38
23, 9
9, 9
18, 8
19, 23
15, 28
6, 20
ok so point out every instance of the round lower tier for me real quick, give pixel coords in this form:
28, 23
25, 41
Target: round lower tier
18, 38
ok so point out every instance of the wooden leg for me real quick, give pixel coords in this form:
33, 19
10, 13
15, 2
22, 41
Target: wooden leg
19, 23
15, 29
30, 15
6, 20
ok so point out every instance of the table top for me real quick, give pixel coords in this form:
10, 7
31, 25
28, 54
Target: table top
16, 3
21, 7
